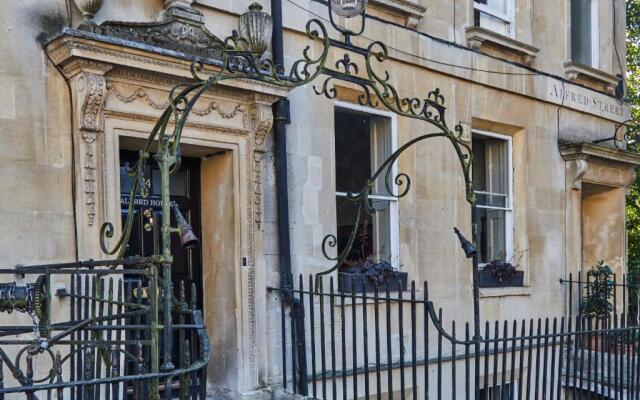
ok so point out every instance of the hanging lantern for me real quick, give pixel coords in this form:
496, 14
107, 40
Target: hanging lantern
348, 8
256, 28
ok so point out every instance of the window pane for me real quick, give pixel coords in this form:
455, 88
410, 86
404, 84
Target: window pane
382, 230
491, 181
497, 166
363, 143
363, 247
499, 6
373, 240
125, 180
491, 167
353, 151
581, 46
491, 235
479, 163
177, 183
491, 200
380, 150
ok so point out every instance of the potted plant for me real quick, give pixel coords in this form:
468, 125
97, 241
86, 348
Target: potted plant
600, 287
596, 304
364, 275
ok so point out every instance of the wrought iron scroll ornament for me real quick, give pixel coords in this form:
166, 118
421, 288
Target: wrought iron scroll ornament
377, 91
155, 363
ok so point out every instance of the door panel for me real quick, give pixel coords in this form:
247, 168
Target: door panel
145, 234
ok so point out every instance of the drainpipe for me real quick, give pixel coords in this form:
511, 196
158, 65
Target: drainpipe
281, 120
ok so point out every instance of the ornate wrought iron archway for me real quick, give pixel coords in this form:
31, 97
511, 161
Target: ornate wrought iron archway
152, 356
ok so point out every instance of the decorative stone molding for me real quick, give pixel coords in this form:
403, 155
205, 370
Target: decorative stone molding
79, 47
181, 28
478, 36
91, 91
600, 164
93, 88
409, 10
143, 73
142, 93
574, 72
576, 170
590, 151
262, 122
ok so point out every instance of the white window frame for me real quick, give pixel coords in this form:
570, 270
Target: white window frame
394, 214
509, 229
595, 33
509, 18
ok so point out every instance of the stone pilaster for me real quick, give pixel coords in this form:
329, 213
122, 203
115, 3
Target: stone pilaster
262, 122
89, 91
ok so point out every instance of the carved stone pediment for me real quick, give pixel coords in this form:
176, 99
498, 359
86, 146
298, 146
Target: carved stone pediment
182, 29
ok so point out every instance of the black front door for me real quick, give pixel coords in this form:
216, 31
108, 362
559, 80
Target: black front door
145, 234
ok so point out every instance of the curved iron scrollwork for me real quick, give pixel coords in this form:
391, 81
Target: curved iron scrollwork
377, 91
154, 363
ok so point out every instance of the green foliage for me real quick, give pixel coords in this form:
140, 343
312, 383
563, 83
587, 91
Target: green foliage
633, 280
600, 287
633, 132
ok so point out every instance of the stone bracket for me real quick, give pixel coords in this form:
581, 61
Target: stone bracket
90, 91
576, 170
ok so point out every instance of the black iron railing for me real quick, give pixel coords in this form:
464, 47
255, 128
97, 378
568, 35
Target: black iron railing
384, 345
624, 296
97, 338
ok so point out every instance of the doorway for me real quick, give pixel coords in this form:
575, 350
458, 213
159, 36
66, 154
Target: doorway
146, 236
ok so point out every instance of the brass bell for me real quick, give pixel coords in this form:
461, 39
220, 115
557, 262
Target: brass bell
188, 238
468, 247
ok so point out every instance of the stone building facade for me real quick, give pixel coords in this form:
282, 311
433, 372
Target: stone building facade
532, 80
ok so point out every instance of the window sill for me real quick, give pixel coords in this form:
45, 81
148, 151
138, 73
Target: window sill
506, 292
409, 10
576, 72
478, 37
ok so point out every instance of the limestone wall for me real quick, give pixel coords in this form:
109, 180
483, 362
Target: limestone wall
36, 153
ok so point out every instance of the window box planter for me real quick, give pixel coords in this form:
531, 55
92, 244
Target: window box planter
360, 283
488, 280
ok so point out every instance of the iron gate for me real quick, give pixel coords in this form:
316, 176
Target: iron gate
108, 342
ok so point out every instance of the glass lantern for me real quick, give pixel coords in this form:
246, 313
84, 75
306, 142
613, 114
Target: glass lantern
348, 8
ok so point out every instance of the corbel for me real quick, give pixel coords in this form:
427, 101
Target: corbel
576, 169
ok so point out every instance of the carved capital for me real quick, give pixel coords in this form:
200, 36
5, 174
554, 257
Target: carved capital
576, 170
92, 90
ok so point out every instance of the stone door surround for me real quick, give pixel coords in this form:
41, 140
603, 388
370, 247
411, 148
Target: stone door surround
119, 88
